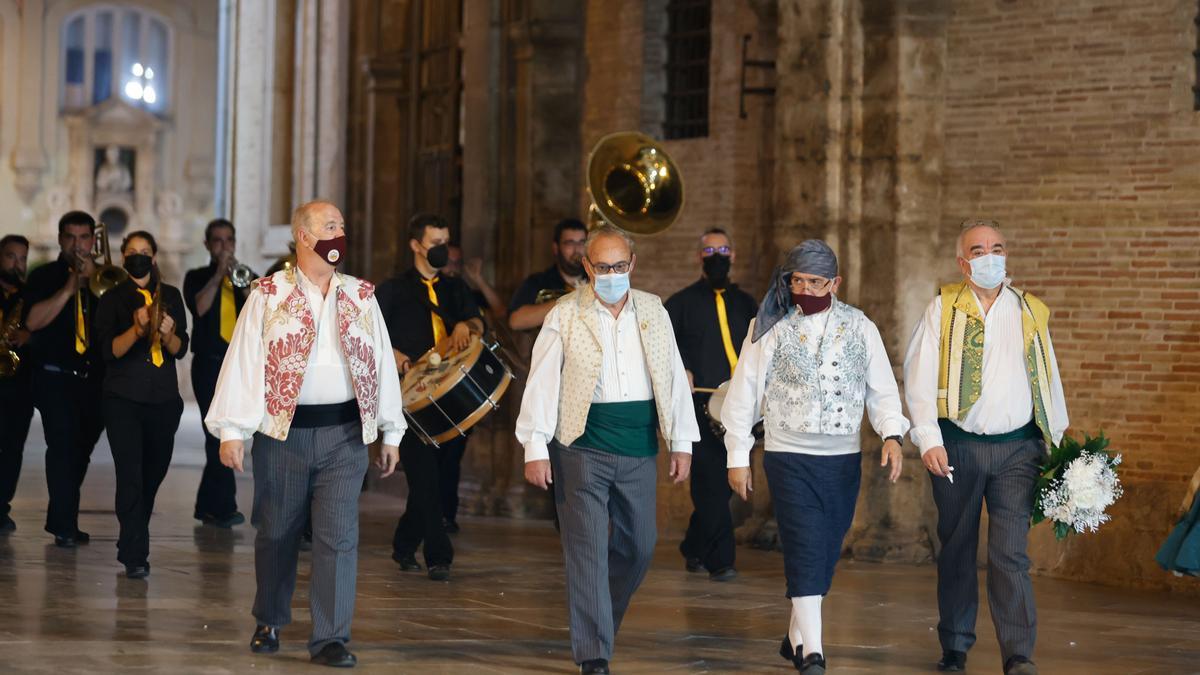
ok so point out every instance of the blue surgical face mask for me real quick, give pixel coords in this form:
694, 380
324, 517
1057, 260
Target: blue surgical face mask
987, 271
612, 287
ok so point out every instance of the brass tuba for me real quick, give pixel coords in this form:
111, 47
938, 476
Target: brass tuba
633, 184
107, 275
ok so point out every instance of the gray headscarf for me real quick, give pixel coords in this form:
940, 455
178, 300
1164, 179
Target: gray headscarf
811, 257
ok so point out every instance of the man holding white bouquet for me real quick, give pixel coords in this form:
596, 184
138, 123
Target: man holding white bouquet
986, 401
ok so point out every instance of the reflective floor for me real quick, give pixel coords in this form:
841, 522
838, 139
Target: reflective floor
73, 611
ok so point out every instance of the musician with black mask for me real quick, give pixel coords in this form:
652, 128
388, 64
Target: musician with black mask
67, 370
421, 307
16, 396
710, 319
141, 331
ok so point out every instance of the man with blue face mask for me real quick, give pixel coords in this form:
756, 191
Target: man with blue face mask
605, 375
986, 401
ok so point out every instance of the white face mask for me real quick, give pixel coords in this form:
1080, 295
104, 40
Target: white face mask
612, 287
988, 271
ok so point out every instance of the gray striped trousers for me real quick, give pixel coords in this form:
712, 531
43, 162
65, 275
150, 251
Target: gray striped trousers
319, 469
1003, 474
606, 512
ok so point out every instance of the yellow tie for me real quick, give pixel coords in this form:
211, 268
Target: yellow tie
228, 310
156, 356
80, 324
439, 327
723, 319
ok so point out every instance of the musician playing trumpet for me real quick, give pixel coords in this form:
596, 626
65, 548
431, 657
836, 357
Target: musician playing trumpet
141, 331
215, 299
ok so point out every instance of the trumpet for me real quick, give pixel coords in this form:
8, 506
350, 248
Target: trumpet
550, 294
240, 275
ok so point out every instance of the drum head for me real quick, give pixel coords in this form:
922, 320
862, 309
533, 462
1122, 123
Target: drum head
713, 408
426, 378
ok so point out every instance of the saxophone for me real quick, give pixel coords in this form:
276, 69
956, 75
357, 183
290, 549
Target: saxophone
9, 360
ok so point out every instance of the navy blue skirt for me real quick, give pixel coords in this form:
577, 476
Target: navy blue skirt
814, 498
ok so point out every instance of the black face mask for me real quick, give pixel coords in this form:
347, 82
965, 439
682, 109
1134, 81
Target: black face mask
11, 277
438, 256
716, 270
138, 265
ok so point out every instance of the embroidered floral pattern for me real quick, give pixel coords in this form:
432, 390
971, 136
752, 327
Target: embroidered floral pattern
365, 289
267, 284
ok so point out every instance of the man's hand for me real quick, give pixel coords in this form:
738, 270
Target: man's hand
892, 454
461, 337
19, 337
537, 473
681, 466
231, 454
167, 326
389, 456
473, 271
739, 480
403, 363
937, 462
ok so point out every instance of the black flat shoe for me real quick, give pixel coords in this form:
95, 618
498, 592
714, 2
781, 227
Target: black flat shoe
693, 565
137, 571
439, 572
82, 537
7, 526
813, 664
334, 655
224, 522
785, 649
594, 666
953, 661
1019, 665
65, 542
265, 640
408, 563
727, 574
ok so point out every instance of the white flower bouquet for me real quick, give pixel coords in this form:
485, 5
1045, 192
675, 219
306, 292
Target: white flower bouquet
1077, 485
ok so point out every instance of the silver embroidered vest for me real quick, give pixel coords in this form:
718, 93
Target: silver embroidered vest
817, 381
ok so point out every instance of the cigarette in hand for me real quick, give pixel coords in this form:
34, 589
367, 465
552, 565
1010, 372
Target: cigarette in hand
950, 474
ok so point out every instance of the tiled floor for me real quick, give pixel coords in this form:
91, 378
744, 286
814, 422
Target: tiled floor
64, 611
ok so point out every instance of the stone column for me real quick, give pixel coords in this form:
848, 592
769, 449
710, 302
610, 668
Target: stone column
321, 53
29, 157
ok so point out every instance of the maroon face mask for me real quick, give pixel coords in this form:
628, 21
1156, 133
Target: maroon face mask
332, 250
812, 304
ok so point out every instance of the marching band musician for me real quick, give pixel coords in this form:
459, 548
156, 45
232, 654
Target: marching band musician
422, 306
525, 312
67, 371
140, 331
16, 397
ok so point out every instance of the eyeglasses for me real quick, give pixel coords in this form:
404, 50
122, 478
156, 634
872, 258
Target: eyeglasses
811, 284
619, 268
709, 250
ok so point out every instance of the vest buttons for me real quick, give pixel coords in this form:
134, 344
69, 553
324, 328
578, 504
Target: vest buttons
837, 393
837, 424
836, 378
835, 364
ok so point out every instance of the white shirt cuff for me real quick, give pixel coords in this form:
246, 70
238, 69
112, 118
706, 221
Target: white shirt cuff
736, 459
892, 428
536, 450
926, 437
682, 446
392, 437
231, 434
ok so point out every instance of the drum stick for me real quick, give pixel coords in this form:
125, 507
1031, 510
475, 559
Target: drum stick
705, 390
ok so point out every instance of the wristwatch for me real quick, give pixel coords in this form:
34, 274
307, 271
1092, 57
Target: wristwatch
898, 439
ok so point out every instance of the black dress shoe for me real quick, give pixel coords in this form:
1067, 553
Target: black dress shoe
64, 541
265, 640
727, 574
813, 664
82, 537
334, 655
7, 526
439, 572
953, 661
408, 563
140, 571
1019, 665
451, 526
785, 649
594, 666
693, 565
224, 522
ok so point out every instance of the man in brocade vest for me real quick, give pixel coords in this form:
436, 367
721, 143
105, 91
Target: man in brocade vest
310, 375
986, 401
605, 376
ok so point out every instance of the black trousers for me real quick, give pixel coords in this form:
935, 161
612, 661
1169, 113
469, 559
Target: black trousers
142, 436
16, 400
422, 519
73, 421
709, 534
449, 472
217, 494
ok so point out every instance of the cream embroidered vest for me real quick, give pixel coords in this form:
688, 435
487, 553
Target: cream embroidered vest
817, 382
289, 333
583, 358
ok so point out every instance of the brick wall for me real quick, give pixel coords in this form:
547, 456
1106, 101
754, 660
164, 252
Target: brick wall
1072, 124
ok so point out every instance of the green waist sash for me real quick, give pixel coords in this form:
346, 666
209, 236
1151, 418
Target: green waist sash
953, 432
626, 428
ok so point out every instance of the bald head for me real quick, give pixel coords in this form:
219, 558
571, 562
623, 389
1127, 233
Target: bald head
314, 216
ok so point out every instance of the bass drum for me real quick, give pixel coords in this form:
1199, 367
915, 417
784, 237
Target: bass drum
448, 391
712, 410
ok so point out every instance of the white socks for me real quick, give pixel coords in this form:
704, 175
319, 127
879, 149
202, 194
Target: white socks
805, 626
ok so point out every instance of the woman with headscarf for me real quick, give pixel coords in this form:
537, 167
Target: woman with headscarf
809, 366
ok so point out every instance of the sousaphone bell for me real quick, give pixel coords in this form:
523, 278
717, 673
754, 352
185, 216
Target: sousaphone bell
633, 183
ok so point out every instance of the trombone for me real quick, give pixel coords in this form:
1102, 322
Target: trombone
107, 275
